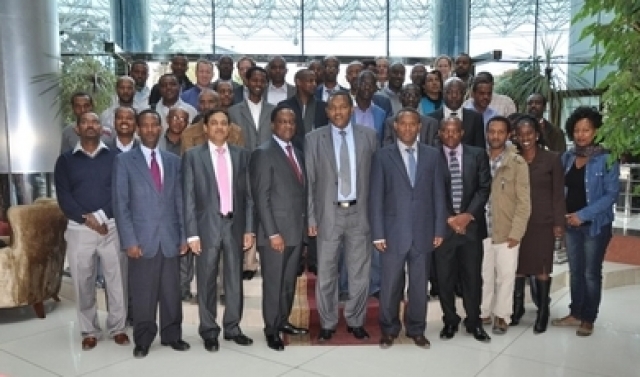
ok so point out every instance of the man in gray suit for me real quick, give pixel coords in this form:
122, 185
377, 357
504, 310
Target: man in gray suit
253, 115
279, 191
218, 220
147, 204
428, 131
338, 160
408, 219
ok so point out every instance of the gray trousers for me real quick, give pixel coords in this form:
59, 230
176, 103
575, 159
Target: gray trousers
357, 253
206, 279
84, 248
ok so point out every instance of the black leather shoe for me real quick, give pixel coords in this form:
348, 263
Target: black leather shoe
325, 335
241, 339
178, 345
292, 330
448, 332
248, 275
211, 345
313, 269
358, 332
479, 334
140, 352
275, 342
386, 341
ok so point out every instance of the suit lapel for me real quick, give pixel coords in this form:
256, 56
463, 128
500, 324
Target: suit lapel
246, 113
468, 169
264, 119
396, 157
309, 115
205, 157
235, 166
140, 163
421, 163
284, 159
327, 142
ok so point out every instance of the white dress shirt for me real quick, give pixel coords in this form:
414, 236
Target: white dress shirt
147, 156
125, 148
256, 109
276, 95
447, 112
283, 144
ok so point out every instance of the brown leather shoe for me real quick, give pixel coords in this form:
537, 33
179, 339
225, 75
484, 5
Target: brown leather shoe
566, 321
486, 321
421, 341
585, 329
386, 341
500, 326
121, 339
89, 343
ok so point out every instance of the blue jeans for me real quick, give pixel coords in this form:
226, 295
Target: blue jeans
586, 255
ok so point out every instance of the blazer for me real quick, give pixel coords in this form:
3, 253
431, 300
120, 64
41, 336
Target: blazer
253, 136
280, 199
473, 126
322, 176
476, 188
238, 94
202, 198
291, 91
318, 93
144, 216
402, 214
384, 103
379, 117
428, 132
315, 116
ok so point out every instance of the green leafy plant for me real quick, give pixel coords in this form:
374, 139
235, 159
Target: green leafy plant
80, 73
619, 36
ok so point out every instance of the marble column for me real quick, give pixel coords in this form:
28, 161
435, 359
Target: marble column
451, 27
130, 25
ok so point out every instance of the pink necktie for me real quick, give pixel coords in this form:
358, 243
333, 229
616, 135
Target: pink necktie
224, 187
155, 171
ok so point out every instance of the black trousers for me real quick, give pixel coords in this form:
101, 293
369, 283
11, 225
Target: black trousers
311, 259
460, 257
152, 281
279, 274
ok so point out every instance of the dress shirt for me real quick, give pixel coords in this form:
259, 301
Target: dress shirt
164, 111
486, 115
125, 148
447, 112
99, 214
283, 144
141, 98
256, 109
405, 154
276, 95
394, 97
458, 150
337, 141
325, 91
147, 156
365, 117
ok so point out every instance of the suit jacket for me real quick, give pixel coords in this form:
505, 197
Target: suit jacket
154, 96
144, 216
476, 188
291, 91
384, 103
315, 116
253, 136
428, 131
379, 116
318, 93
202, 198
280, 199
473, 126
402, 214
238, 94
322, 176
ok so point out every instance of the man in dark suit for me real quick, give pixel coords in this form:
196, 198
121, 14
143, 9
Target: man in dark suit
279, 192
147, 203
331, 66
338, 161
278, 89
240, 93
179, 67
428, 131
218, 220
472, 123
408, 219
460, 254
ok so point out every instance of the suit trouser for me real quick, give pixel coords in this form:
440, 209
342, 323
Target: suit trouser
357, 248
207, 266
250, 259
279, 274
460, 257
374, 275
84, 248
311, 258
499, 266
155, 280
392, 281
186, 273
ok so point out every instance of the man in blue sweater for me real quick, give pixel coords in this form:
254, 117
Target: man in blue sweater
83, 185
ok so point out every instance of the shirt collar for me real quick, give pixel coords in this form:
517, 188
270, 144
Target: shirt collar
147, 151
337, 130
101, 146
121, 146
281, 142
214, 148
283, 88
457, 149
367, 111
402, 146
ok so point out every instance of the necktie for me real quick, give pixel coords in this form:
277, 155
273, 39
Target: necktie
155, 171
411, 165
294, 165
345, 167
456, 181
224, 186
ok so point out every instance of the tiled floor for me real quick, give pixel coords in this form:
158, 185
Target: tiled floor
31, 347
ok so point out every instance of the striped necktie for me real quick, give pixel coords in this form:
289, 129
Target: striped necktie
456, 181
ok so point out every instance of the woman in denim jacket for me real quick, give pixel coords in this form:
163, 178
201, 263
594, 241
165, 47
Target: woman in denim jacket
591, 188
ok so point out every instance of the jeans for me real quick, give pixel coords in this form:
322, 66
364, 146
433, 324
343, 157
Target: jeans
586, 255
